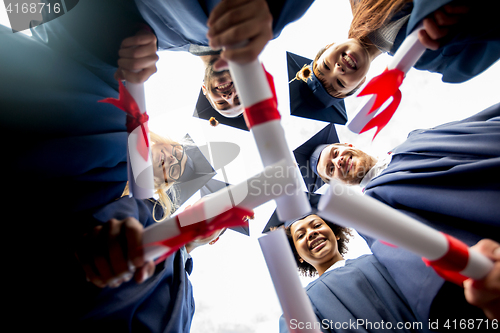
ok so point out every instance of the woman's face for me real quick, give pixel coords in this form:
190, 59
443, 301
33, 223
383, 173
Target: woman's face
166, 164
315, 241
342, 67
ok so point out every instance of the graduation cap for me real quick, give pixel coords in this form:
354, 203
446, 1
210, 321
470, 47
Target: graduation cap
274, 221
214, 185
310, 100
307, 156
197, 172
204, 110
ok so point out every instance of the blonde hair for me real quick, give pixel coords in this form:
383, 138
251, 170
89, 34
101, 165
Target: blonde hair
167, 195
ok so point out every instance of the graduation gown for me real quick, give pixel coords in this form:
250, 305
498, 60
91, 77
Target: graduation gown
100, 26
468, 54
61, 139
163, 303
359, 297
180, 23
65, 161
446, 177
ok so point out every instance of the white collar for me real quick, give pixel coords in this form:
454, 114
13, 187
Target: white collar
340, 263
376, 170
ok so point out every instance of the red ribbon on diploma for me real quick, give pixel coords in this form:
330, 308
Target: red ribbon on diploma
136, 118
453, 262
264, 111
233, 217
383, 86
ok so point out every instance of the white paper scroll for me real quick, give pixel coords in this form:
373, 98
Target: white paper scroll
347, 207
140, 172
252, 87
248, 194
294, 301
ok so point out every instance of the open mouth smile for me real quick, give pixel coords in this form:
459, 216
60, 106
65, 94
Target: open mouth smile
317, 244
349, 61
224, 87
348, 165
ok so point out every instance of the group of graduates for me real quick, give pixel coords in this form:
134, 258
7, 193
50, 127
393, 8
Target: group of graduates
76, 233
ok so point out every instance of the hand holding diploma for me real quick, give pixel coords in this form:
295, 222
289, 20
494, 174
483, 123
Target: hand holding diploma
138, 58
112, 253
136, 64
236, 22
485, 293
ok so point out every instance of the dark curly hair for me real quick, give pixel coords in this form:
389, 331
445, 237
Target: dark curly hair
307, 269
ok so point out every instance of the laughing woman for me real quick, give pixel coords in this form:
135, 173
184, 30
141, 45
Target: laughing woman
358, 291
462, 41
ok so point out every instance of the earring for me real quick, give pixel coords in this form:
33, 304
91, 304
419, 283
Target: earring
301, 260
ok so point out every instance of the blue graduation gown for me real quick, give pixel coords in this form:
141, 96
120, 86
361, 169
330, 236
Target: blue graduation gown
164, 303
359, 297
446, 177
468, 54
61, 139
179, 23
98, 27
64, 165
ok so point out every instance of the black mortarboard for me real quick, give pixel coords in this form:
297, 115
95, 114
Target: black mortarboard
204, 110
307, 156
214, 185
197, 172
310, 100
274, 221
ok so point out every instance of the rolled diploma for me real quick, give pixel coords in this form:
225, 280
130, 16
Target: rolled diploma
140, 172
345, 206
248, 194
252, 86
405, 57
283, 270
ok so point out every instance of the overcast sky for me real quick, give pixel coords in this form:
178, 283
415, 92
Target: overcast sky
232, 287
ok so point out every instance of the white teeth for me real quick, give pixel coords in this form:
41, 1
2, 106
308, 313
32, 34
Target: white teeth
224, 86
316, 243
349, 61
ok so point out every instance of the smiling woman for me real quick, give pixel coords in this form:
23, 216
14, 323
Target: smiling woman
346, 291
380, 26
169, 164
317, 244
